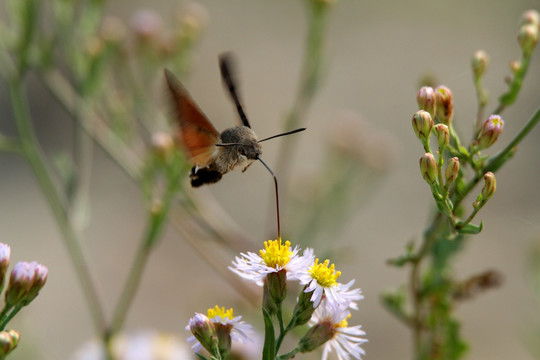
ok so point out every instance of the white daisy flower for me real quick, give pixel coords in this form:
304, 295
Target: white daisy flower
218, 322
274, 258
346, 341
321, 280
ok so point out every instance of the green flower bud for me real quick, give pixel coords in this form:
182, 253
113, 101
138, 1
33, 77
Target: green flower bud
527, 38
8, 341
445, 104
316, 336
25, 282
428, 167
443, 135
162, 144
5, 256
489, 186
480, 61
422, 124
204, 331
452, 170
530, 17
490, 131
426, 100
515, 65
304, 308
277, 285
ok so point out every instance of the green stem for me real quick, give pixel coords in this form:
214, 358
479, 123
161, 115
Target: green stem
11, 315
495, 162
36, 159
156, 223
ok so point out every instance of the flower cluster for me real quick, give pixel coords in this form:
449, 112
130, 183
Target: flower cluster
25, 282
435, 117
323, 302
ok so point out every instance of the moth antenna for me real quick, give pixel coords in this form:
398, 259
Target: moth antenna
277, 196
283, 134
226, 65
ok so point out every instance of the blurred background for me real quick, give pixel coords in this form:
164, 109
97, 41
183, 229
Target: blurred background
376, 53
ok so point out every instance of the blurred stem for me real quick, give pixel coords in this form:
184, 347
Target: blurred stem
82, 157
510, 96
36, 159
309, 81
157, 220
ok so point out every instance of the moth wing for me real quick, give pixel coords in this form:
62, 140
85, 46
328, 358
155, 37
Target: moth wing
196, 133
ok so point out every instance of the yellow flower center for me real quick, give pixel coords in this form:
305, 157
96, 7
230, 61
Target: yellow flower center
343, 323
221, 312
275, 254
326, 276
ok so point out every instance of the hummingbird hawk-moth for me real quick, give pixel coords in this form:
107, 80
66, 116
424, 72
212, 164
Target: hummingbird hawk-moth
214, 154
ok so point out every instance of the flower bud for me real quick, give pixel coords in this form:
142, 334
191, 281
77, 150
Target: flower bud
443, 135
25, 282
162, 144
445, 104
40, 278
8, 341
515, 65
422, 124
530, 17
277, 285
204, 331
147, 25
316, 336
5, 256
304, 308
426, 100
480, 61
490, 131
428, 167
489, 186
452, 170
20, 281
527, 38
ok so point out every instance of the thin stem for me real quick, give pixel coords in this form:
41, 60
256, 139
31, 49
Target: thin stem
496, 161
282, 331
36, 159
10, 316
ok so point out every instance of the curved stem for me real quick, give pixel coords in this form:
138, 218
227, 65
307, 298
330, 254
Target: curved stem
495, 162
36, 159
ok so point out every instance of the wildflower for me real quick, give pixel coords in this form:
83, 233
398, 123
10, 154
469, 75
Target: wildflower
422, 124
9, 339
479, 62
25, 282
527, 38
445, 104
429, 168
489, 186
452, 170
320, 279
5, 256
443, 135
490, 131
274, 258
426, 99
331, 329
218, 329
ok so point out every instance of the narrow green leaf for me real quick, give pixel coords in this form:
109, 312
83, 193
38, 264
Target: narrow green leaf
471, 229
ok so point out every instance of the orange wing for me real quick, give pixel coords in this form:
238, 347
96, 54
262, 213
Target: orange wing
196, 133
